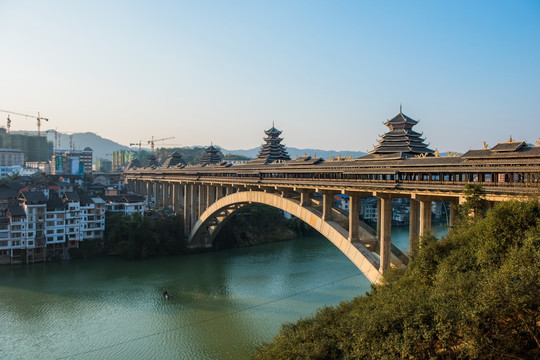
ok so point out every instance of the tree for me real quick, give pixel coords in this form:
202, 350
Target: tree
471, 295
475, 200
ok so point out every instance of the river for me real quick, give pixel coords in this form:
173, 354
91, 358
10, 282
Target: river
223, 303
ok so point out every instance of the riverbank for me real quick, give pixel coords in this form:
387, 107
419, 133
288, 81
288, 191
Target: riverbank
137, 237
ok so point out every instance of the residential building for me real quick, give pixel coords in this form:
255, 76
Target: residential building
11, 162
126, 204
72, 162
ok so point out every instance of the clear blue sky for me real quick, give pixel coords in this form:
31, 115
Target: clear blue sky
327, 72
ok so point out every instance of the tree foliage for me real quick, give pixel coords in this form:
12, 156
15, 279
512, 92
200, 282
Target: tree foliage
257, 224
141, 237
475, 294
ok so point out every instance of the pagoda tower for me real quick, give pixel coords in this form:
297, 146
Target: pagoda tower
175, 159
273, 150
152, 161
402, 138
213, 156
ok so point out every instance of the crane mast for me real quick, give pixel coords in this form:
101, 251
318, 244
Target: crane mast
39, 118
138, 144
151, 142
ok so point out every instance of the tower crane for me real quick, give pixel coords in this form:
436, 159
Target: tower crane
39, 118
151, 142
138, 144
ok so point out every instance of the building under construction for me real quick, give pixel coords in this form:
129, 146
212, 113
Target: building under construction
122, 158
35, 148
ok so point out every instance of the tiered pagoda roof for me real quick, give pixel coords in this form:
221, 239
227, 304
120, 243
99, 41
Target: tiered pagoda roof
135, 163
175, 159
152, 161
273, 150
401, 139
213, 156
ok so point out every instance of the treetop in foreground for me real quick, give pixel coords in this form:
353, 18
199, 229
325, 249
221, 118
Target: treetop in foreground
475, 294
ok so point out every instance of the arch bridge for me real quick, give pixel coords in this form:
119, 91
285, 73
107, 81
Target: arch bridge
305, 187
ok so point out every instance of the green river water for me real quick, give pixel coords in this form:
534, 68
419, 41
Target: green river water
223, 303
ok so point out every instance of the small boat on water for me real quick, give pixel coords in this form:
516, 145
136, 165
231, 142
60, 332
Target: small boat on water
166, 295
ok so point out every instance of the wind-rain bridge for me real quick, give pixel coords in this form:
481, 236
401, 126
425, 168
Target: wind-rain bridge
400, 166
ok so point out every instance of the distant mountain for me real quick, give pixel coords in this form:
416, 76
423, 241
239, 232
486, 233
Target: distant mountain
293, 152
103, 148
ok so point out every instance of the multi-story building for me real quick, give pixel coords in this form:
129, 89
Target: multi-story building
35, 148
72, 162
34, 204
122, 158
55, 227
92, 218
38, 227
73, 219
13, 236
125, 204
11, 162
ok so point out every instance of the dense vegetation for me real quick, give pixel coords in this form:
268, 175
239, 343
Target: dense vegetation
257, 224
138, 237
474, 294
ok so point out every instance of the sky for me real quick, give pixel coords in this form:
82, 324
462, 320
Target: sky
327, 73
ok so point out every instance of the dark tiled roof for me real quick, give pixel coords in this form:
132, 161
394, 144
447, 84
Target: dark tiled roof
16, 210
152, 162
55, 204
522, 151
71, 196
126, 198
34, 196
401, 138
6, 193
135, 163
174, 159
86, 200
272, 150
15, 185
213, 156
304, 160
509, 146
401, 119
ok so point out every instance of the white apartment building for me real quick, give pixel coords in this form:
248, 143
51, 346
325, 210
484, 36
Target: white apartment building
126, 204
92, 218
41, 228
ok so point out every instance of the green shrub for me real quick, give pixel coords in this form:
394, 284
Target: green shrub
475, 294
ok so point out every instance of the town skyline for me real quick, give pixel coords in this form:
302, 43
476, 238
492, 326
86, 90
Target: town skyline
328, 75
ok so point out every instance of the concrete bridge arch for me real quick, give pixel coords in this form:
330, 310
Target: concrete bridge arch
210, 222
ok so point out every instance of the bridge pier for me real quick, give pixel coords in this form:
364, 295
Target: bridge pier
210, 195
166, 195
414, 219
379, 206
354, 215
328, 204
304, 198
425, 217
187, 208
385, 239
202, 199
